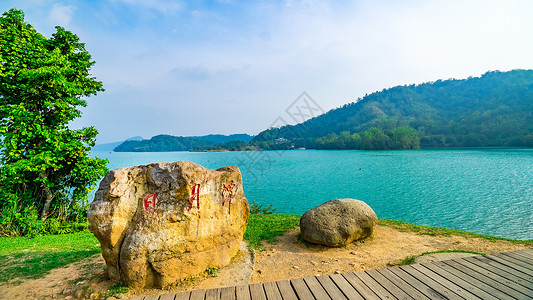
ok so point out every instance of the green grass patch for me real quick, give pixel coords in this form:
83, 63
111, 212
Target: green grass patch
117, 290
411, 259
268, 228
436, 231
22, 257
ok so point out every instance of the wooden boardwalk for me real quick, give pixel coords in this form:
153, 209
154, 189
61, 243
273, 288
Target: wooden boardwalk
498, 276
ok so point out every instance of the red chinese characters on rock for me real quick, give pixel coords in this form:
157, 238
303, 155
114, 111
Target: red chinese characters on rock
228, 192
149, 202
195, 196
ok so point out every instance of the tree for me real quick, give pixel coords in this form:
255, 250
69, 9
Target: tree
45, 167
405, 137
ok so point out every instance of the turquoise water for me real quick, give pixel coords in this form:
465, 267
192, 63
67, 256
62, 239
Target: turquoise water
487, 191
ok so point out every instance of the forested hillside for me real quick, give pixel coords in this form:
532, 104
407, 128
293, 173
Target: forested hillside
495, 109
163, 143
220, 138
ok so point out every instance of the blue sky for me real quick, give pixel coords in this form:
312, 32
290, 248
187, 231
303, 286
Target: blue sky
200, 67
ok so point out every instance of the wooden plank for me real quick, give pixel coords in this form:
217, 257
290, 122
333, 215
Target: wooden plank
257, 292
286, 290
529, 251
316, 288
404, 286
168, 297
272, 291
301, 289
473, 280
242, 292
446, 292
374, 286
495, 277
450, 285
503, 267
525, 254
387, 284
345, 287
419, 285
227, 293
491, 282
513, 260
330, 287
137, 298
460, 281
151, 297
500, 272
212, 294
519, 260
359, 286
197, 295
182, 296
510, 264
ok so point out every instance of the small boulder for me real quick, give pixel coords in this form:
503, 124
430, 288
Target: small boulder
164, 222
338, 222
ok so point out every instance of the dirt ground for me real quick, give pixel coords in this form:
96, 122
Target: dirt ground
286, 259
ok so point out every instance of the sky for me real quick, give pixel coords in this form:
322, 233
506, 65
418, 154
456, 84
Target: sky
190, 68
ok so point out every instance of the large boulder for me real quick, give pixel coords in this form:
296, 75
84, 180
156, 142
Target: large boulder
338, 222
161, 223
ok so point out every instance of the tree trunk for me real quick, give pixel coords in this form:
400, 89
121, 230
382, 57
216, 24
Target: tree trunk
48, 194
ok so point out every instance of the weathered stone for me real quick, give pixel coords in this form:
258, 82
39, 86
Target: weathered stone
338, 222
161, 223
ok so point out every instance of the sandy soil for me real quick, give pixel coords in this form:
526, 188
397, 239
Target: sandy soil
291, 258
288, 258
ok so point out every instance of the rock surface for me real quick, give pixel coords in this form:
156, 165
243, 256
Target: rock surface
338, 222
164, 222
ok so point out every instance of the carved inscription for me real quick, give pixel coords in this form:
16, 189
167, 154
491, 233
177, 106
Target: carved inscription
228, 193
149, 202
195, 196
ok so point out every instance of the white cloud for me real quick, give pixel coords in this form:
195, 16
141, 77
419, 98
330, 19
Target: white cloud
61, 15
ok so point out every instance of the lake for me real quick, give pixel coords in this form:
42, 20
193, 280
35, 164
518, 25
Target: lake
486, 191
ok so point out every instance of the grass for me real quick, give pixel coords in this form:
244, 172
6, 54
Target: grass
268, 228
117, 291
24, 258
411, 259
436, 231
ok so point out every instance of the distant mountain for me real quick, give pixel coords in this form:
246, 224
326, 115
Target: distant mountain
111, 146
495, 109
164, 143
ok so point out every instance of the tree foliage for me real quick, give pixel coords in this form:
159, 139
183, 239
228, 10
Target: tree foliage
495, 109
45, 167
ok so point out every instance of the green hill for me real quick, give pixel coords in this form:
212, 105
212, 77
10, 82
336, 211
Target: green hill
220, 138
165, 143
495, 109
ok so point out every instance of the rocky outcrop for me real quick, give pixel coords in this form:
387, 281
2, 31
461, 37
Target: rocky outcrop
161, 223
338, 222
